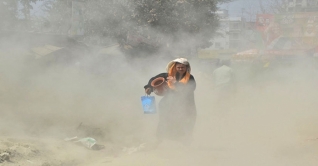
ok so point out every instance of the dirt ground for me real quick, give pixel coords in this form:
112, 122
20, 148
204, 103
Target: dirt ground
268, 122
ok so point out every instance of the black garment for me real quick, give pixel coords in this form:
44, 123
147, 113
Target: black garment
177, 110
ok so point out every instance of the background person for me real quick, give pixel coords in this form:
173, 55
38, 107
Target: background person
224, 84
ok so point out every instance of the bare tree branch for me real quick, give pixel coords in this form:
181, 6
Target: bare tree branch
261, 6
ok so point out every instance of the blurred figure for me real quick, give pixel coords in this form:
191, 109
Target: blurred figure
177, 110
224, 85
260, 72
272, 32
310, 31
310, 34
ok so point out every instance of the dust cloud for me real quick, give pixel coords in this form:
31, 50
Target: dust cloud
271, 119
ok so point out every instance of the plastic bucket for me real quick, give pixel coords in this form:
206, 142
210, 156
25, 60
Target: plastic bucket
148, 104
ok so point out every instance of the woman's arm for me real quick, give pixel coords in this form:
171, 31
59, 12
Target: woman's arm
148, 86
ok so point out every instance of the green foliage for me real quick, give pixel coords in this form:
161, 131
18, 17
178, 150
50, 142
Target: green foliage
60, 15
8, 14
156, 23
26, 7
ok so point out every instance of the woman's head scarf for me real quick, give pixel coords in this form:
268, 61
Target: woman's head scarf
172, 71
179, 60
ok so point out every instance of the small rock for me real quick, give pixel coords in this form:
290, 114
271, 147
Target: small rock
5, 156
46, 164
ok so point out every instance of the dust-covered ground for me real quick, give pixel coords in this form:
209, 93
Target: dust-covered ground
270, 120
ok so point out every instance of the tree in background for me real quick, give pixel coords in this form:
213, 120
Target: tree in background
178, 22
8, 14
142, 24
59, 16
108, 19
26, 8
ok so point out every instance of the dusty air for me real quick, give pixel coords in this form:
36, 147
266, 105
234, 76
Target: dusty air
160, 83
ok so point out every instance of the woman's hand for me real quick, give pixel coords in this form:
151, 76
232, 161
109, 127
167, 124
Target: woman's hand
148, 91
171, 79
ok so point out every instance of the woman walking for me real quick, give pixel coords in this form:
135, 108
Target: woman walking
177, 110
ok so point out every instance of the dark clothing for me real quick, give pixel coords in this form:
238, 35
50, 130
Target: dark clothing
177, 111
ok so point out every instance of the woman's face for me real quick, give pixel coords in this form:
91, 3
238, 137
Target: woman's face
181, 68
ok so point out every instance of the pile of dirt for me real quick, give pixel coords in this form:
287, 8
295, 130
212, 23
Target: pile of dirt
57, 152
29, 152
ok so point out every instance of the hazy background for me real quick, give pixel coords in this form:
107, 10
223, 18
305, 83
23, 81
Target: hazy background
272, 118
